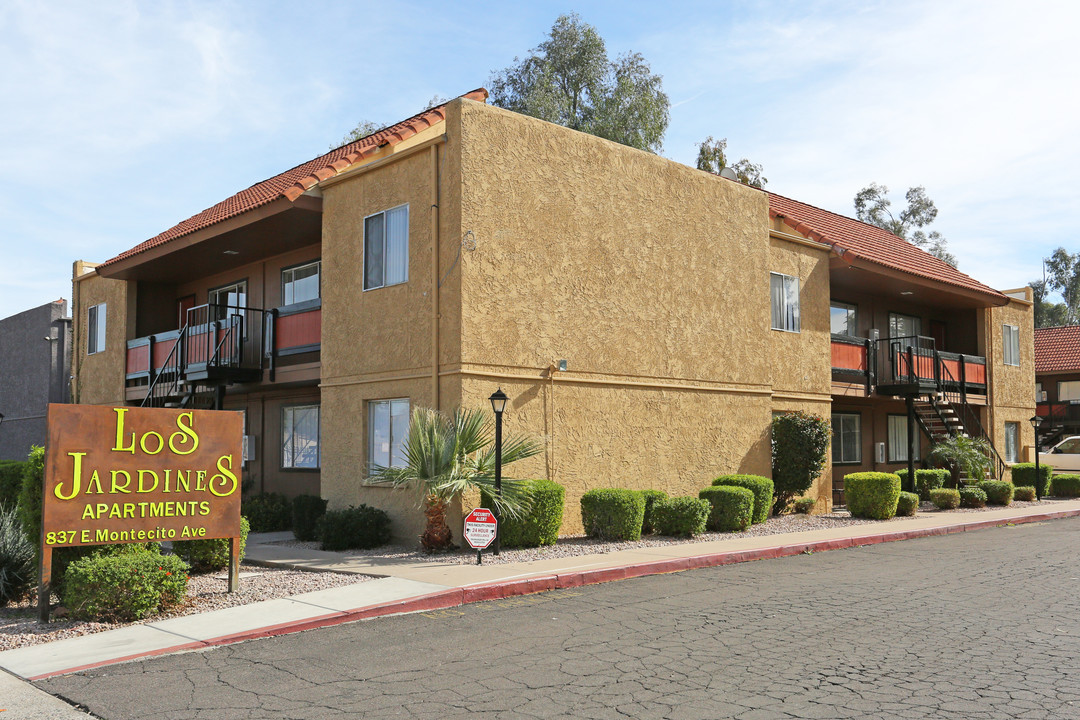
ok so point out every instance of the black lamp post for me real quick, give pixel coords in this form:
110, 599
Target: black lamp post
498, 404
1035, 422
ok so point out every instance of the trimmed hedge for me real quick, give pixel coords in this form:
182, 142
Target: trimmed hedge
804, 505
907, 504
998, 492
926, 479
1024, 474
306, 511
11, 474
1024, 493
651, 496
613, 513
972, 497
541, 525
125, 586
210, 555
872, 494
267, 512
762, 487
680, 516
945, 498
732, 507
1066, 485
354, 528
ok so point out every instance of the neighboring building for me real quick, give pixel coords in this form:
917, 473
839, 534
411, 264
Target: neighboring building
1057, 382
469, 248
35, 352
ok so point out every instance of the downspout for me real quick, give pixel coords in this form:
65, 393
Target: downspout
434, 276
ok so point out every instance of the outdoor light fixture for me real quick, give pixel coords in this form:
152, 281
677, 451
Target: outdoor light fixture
498, 404
498, 401
1036, 421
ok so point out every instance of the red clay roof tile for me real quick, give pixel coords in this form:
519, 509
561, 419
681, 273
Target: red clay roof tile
1057, 349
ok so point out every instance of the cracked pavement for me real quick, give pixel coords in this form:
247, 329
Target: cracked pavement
968, 626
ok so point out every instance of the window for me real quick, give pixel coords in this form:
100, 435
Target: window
1039, 393
95, 329
386, 248
300, 436
388, 423
228, 298
300, 283
785, 302
847, 438
898, 439
904, 325
842, 319
1010, 344
1068, 390
1012, 442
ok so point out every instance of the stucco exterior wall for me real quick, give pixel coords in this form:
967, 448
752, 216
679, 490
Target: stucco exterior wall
99, 378
1012, 387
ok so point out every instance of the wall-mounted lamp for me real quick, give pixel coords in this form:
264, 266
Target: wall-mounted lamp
562, 366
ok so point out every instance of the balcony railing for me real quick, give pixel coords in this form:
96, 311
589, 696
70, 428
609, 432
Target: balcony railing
906, 361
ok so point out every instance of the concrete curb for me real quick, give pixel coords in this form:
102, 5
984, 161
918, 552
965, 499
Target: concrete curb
497, 590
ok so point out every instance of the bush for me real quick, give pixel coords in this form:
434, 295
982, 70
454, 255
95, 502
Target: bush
1024, 474
799, 443
210, 555
1025, 493
926, 479
354, 528
33, 480
762, 487
267, 512
972, 497
613, 513
11, 473
804, 505
907, 504
1066, 485
681, 516
306, 511
17, 570
732, 507
872, 494
540, 526
129, 585
945, 498
998, 492
651, 496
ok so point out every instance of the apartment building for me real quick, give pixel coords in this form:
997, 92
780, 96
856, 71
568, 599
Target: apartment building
1057, 382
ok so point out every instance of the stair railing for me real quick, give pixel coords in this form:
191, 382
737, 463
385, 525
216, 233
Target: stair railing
969, 418
172, 368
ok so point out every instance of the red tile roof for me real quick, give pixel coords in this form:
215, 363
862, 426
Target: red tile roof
293, 183
854, 239
1057, 349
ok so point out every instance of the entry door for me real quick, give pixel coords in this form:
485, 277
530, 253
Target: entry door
937, 331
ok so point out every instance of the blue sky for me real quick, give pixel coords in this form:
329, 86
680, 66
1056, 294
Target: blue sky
123, 118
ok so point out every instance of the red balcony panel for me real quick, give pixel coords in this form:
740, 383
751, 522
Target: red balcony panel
161, 352
849, 357
138, 359
298, 330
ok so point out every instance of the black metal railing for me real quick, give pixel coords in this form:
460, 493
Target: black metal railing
907, 360
165, 382
953, 391
222, 336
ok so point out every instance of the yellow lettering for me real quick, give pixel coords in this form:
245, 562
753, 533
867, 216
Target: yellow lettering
224, 478
167, 481
129, 510
204, 507
119, 447
142, 487
95, 481
142, 535
186, 532
120, 488
76, 478
102, 536
88, 512
86, 536
186, 434
157, 509
200, 477
115, 511
160, 442
184, 480
102, 508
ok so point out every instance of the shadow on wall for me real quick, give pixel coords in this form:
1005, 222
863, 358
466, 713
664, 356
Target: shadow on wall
758, 453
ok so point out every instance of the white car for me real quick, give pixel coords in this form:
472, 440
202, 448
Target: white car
1065, 456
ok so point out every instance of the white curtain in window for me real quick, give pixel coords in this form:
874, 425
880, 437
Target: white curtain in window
379, 446
791, 298
776, 288
399, 428
898, 439
1068, 390
374, 251
1012, 441
397, 245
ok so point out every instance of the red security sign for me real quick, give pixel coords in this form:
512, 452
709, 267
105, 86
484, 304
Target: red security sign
480, 527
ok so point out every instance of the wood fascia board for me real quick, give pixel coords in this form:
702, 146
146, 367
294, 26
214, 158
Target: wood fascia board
986, 299
799, 240
386, 160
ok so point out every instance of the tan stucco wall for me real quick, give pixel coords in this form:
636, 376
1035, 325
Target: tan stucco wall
1012, 387
99, 378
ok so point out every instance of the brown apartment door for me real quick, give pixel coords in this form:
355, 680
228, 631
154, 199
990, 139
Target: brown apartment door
182, 306
937, 331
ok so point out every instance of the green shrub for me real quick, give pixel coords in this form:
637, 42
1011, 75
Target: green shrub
17, 569
30, 495
11, 474
926, 479
799, 443
1024, 474
872, 494
945, 498
306, 511
354, 528
998, 492
804, 505
613, 513
267, 512
540, 525
762, 487
210, 555
651, 496
1066, 485
972, 497
732, 507
681, 516
907, 504
1025, 493
129, 585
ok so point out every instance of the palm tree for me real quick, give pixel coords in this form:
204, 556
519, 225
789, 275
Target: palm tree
971, 455
448, 454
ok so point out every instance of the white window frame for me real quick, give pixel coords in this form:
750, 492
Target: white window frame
289, 450
1012, 444
852, 313
1068, 390
1010, 344
838, 438
317, 264
916, 322
389, 453
96, 317
405, 259
899, 454
785, 316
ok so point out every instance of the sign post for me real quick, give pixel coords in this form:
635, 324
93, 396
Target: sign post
480, 527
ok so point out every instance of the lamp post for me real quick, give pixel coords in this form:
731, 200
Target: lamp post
1035, 422
498, 404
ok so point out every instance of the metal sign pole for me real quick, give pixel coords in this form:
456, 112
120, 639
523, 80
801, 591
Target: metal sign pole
44, 582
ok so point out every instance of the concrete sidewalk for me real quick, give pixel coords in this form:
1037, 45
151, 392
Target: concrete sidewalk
410, 586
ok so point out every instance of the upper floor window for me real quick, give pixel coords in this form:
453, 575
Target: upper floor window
95, 329
386, 248
901, 326
842, 319
1010, 344
1068, 390
1012, 442
300, 283
231, 296
784, 290
300, 436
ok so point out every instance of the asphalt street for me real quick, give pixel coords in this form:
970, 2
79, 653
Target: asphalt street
975, 625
